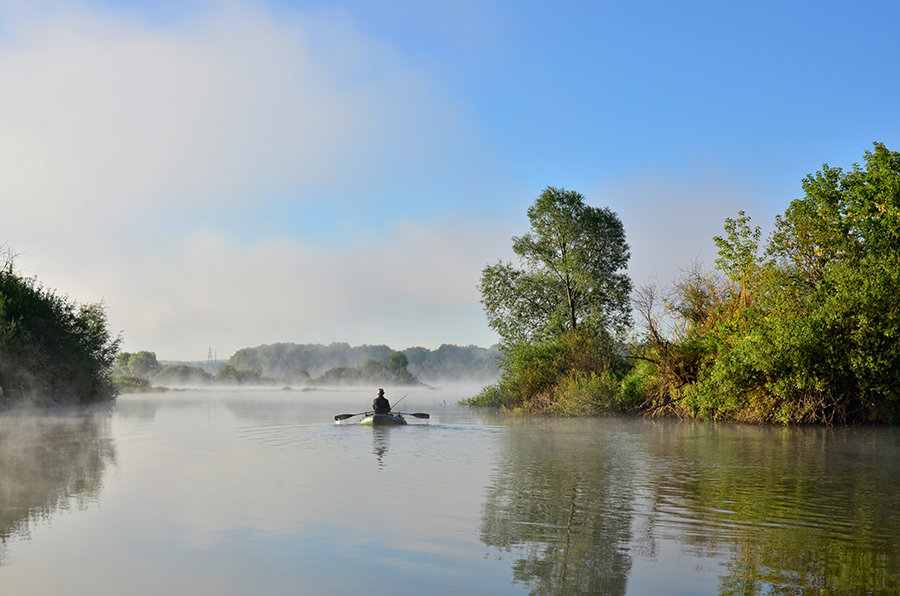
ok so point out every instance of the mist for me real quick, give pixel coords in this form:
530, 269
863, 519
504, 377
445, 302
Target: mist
50, 460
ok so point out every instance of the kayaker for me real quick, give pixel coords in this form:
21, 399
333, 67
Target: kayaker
380, 404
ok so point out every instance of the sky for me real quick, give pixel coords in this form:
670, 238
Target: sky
228, 173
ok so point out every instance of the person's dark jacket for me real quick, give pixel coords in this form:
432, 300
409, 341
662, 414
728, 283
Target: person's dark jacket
381, 405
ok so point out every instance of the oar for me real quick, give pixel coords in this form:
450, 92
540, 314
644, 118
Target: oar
416, 414
345, 416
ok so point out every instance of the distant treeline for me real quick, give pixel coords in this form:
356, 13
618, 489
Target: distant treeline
448, 363
314, 365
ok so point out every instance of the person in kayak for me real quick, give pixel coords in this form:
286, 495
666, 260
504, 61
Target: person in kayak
380, 404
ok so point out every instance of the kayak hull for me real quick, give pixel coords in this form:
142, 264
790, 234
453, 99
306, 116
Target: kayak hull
383, 420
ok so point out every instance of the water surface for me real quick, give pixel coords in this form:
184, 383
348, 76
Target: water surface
259, 492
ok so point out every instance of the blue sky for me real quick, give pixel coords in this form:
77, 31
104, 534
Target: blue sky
236, 172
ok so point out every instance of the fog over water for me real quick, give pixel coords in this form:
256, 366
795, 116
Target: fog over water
249, 491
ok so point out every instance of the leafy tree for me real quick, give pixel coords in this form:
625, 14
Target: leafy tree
571, 276
397, 362
738, 253
830, 294
281, 359
299, 377
182, 374
813, 334
231, 375
557, 314
122, 363
143, 363
52, 349
372, 372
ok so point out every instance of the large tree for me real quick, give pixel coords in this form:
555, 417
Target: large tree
558, 311
572, 274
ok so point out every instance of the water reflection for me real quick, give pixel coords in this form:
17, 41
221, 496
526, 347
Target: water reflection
597, 507
560, 503
50, 461
260, 492
802, 509
381, 436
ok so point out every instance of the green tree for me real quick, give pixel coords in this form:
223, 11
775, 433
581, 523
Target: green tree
52, 350
738, 253
182, 374
143, 363
830, 294
557, 314
122, 364
397, 362
813, 335
372, 372
231, 375
571, 276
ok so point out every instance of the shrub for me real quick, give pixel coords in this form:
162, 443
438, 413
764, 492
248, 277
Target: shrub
52, 350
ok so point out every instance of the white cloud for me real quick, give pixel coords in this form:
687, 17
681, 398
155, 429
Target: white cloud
418, 285
130, 151
100, 114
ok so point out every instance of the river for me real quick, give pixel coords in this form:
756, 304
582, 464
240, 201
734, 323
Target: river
259, 492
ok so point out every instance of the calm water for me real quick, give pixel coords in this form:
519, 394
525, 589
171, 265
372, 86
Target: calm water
258, 492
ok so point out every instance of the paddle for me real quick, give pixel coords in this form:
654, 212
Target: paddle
345, 416
416, 414
340, 417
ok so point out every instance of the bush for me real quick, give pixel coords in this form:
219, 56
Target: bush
489, 396
182, 374
635, 389
583, 393
52, 350
131, 384
574, 374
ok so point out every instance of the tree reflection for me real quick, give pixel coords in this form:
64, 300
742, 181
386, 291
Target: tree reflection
768, 510
48, 462
797, 510
561, 503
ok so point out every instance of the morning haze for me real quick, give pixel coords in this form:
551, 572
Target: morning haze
224, 226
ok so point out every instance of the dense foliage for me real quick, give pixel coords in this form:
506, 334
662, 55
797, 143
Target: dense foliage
390, 372
558, 313
802, 329
282, 359
138, 364
805, 329
571, 275
52, 350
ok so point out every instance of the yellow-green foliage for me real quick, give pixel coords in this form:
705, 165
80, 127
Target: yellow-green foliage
810, 333
581, 393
